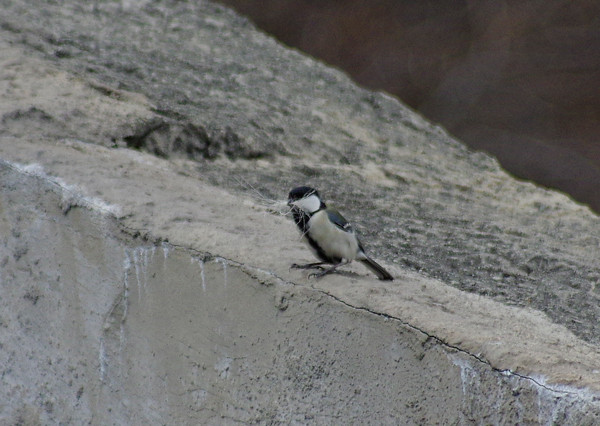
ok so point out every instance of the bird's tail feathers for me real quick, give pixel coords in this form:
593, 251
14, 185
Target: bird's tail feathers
377, 269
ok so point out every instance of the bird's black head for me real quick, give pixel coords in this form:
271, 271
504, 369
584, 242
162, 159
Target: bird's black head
305, 199
301, 192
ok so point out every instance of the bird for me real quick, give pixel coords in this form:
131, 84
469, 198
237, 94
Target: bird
330, 236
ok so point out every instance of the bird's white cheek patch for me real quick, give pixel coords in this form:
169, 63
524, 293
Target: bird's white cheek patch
309, 204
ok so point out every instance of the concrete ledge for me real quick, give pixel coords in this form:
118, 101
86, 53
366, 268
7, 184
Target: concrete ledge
122, 329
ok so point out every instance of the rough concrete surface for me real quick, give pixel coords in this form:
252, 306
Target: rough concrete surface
145, 267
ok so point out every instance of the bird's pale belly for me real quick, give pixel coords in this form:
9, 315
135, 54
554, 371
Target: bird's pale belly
334, 241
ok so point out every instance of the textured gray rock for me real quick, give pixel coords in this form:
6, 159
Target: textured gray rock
496, 285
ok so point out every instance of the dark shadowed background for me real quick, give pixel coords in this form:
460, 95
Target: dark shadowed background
518, 79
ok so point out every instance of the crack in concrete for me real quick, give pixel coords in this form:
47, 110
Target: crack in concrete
478, 358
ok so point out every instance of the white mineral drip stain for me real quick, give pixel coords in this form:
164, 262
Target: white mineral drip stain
466, 372
554, 400
224, 263
71, 195
142, 256
136, 264
126, 269
150, 252
201, 263
103, 360
166, 248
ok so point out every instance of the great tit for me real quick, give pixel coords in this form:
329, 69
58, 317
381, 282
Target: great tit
328, 234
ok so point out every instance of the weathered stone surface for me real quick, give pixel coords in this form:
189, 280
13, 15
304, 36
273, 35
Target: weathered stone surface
496, 276
512, 78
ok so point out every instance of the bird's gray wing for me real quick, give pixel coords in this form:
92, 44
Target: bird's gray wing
338, 220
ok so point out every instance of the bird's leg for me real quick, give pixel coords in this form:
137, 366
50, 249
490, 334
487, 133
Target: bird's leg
316, 265
327, 271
